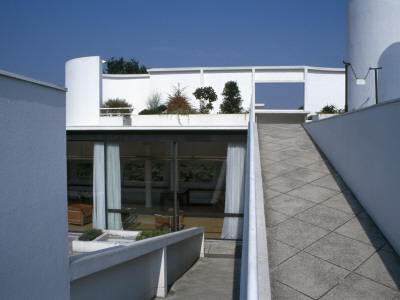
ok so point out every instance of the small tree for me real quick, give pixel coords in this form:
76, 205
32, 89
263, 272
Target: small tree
206, 95
120, 66
116, 103
232, 103
178, 102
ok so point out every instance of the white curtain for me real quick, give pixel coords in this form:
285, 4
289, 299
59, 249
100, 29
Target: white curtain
113, 186
99, 213
234, 196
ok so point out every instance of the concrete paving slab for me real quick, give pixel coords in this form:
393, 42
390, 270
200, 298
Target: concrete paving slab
278, 168
277, 156
356, 287
341, 251
280, 291
383, 267
299, 161
313, 193
289, 205
321, 166
273, 218
345, 202
269, 194
325, 217
309, 275
297, 233
305, 175
364, 230
283, 184
279, 253
331, 181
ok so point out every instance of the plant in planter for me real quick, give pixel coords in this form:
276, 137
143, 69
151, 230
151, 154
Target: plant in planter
90, 234
145, 234
232, 103
178, 102
206, 95
331, 109
117, 107
153, 105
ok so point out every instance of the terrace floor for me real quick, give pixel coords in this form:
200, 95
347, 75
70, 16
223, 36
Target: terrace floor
321, 242
216, 276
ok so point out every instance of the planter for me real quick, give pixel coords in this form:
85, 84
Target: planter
318, 117
195, 120
109, 238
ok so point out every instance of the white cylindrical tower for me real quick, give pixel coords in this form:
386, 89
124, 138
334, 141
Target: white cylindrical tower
372, 34
83, 79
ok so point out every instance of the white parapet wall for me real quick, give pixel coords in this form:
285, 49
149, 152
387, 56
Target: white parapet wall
363, 146
88, 88
139, 270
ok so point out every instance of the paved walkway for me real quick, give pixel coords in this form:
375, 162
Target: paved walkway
217, 276
321, 243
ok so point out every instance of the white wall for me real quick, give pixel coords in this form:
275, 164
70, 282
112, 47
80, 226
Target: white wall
217, 80
87, 87
33, 190
163, 83
373, 26
135, 89
323, 88
83, 79
363, 147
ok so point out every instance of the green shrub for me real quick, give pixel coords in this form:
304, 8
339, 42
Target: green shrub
90, 234
146, 234
155, 111
116, 103
206, 95
232, 103
331, 109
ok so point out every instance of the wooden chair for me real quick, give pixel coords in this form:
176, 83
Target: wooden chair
80, 214
168, 221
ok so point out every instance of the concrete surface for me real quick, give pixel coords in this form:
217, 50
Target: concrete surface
321, 242
216, 276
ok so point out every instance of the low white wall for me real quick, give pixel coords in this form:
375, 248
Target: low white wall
141, 270
363, 146
203, 120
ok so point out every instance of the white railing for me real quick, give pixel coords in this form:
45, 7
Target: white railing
254, 281
110, 114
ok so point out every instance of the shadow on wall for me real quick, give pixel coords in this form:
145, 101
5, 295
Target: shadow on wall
389, 76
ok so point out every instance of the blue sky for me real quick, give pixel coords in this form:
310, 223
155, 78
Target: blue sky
38, 37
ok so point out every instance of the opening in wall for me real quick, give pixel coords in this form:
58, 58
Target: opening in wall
280, 95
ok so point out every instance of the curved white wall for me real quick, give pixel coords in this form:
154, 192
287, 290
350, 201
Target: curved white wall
373, 27
83, 79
